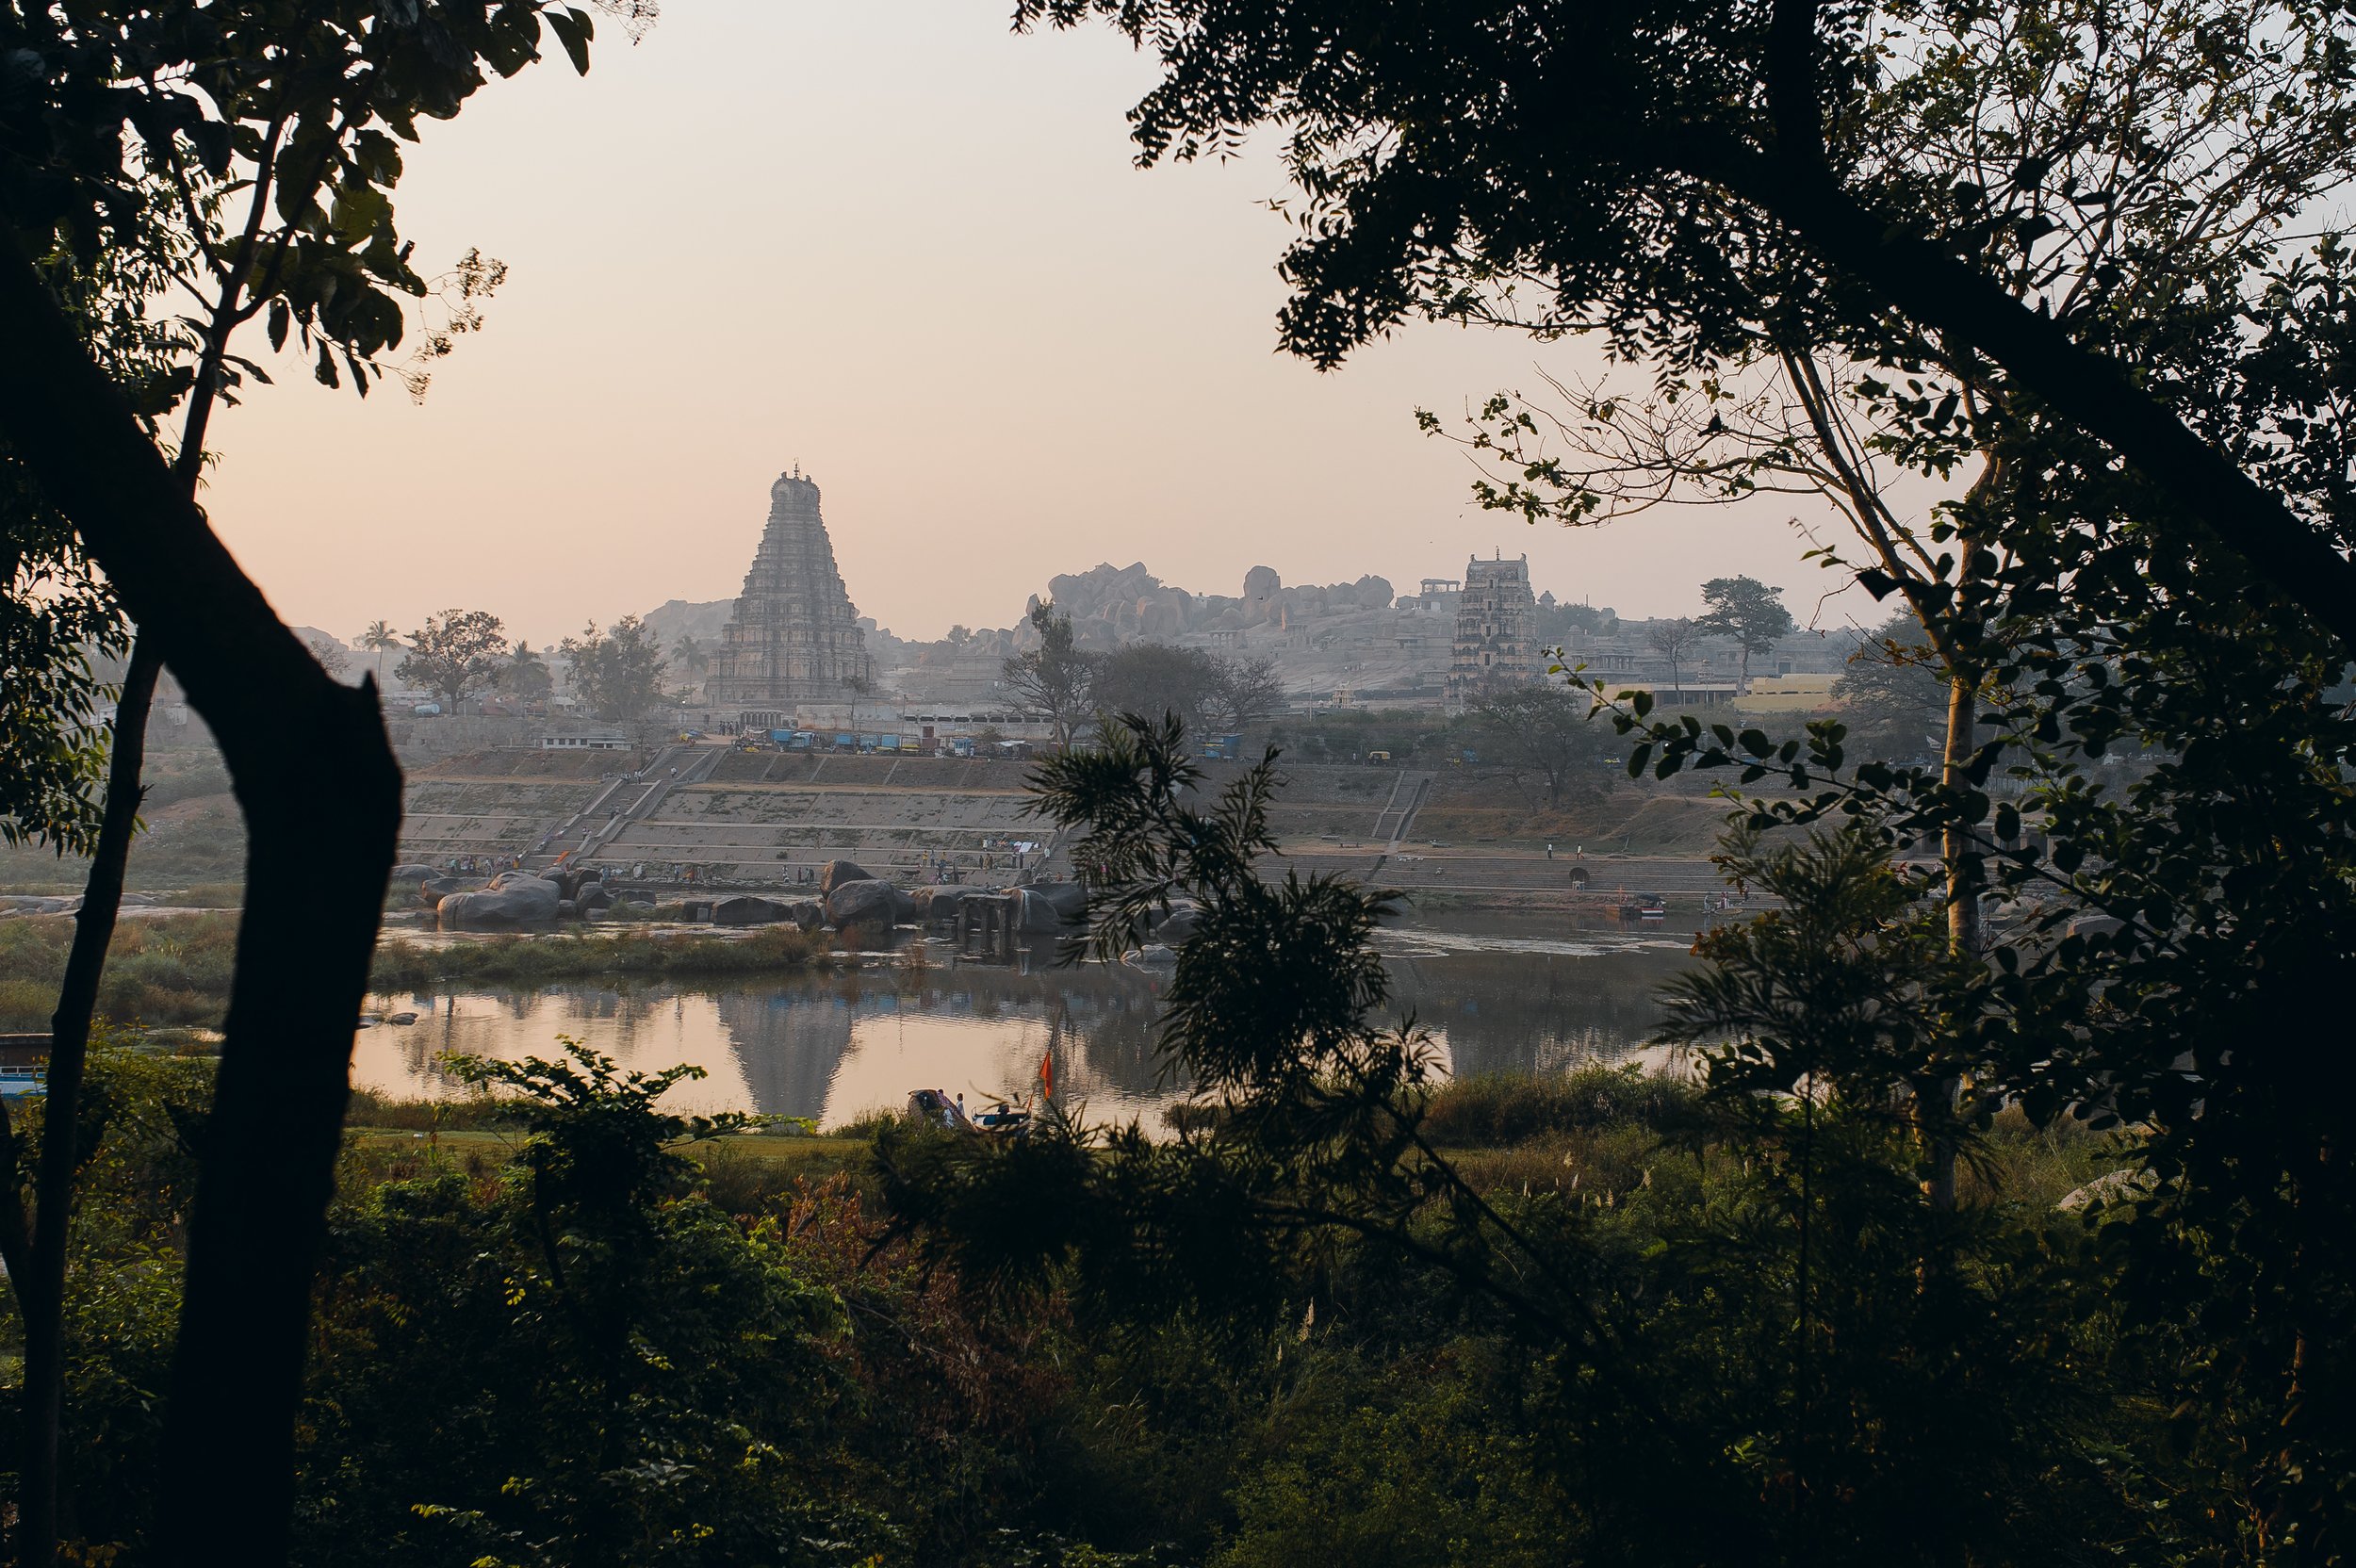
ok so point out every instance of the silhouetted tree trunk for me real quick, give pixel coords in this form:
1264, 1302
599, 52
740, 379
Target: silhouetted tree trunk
43, 1503
41, 1289
1880, 528
1963, 914
320, 792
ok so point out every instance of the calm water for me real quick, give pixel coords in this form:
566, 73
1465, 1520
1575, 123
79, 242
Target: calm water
1495, 994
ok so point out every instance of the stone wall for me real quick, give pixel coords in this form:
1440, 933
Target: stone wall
422, 742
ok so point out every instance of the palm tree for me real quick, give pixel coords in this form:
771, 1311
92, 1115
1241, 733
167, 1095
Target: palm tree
691, 655
1674, 640
380, 637
527, 672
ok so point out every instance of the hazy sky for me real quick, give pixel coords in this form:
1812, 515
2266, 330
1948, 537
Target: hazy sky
893, 242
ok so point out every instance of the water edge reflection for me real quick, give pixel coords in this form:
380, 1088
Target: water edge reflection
834, 1045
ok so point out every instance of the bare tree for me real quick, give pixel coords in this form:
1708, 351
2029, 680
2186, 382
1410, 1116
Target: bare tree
1248, 688
1055, 677
1674, 641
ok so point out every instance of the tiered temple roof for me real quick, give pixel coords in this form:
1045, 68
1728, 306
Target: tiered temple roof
796, 636
1494, 629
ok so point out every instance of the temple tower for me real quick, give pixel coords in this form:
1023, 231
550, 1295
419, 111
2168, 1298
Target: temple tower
795, 637
1494, 629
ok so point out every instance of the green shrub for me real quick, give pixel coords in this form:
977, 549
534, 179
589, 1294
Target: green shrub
26, 1005
1395, 1468
864, 1127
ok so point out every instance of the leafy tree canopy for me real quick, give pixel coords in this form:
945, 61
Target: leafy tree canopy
1542, 729
1914, 187
1156, 679
456, 653
1745, 611
618, 672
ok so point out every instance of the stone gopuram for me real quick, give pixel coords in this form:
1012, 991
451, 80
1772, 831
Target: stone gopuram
1494, 629
794, 639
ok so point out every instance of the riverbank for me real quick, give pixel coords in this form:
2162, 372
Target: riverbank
632, 954
175, 970
1597, 1130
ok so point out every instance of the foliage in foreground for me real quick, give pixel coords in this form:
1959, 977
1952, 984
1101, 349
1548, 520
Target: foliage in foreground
577, 1355
605, 1344
1730, 1329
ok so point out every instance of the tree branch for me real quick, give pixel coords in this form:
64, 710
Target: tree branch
1942, 291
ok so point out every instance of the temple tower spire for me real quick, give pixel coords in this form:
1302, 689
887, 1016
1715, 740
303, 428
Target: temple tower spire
795, 637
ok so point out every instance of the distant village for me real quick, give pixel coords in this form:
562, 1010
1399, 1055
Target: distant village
791, 653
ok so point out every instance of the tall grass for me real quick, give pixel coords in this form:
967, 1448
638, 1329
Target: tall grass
1492, 1110
529, 960
160, 969
463, 1113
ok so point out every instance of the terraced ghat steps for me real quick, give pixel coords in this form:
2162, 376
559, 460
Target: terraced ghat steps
771, 819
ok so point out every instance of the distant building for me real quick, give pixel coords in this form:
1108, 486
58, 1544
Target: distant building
1496, 629
795, 637
1790, 694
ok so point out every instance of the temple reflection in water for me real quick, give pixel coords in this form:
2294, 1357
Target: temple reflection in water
832, 1047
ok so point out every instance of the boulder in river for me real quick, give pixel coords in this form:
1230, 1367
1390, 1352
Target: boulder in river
510, 900
433, 887
938, 906
30, 904
1040, 915
868, 903
1049, 906
1067, 899
834, 874
747, 910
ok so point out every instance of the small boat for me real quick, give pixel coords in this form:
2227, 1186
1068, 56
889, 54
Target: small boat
1004, 1119
404, 1019
937, 1108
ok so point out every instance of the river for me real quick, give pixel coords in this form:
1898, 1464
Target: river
1494, 993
